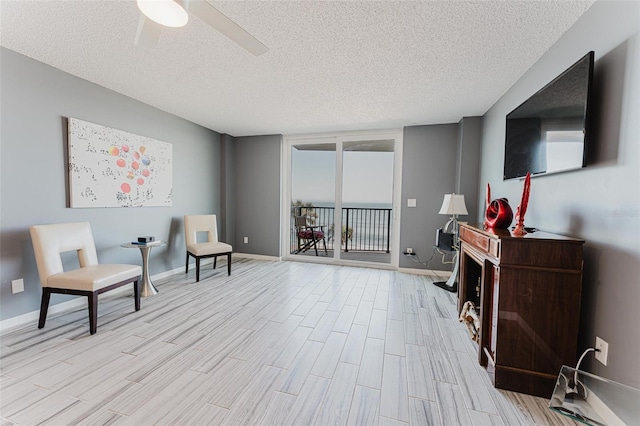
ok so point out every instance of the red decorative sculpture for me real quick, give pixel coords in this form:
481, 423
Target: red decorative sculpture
522, 208
498, 214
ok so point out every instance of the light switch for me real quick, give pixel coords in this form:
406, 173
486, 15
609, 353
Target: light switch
17, 286
411, 202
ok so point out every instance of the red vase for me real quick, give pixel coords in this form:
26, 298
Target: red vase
499, 214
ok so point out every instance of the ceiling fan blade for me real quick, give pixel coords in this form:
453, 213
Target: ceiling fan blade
216, 19
148, 32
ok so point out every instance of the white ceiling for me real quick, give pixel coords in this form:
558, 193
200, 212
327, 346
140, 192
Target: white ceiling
332, 66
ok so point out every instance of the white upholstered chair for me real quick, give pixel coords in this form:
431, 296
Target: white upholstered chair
211, 248
90, 280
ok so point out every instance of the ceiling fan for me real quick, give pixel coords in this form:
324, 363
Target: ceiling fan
175, 13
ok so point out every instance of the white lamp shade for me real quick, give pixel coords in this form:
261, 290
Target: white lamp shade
169, 13
453, 204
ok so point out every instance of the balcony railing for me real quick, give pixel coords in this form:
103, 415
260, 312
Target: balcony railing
363, 229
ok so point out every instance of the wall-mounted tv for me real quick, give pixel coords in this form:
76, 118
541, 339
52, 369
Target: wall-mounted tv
548, 133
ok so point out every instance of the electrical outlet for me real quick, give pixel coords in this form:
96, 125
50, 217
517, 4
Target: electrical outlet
17, 286
409, 250
602, 350
246, 240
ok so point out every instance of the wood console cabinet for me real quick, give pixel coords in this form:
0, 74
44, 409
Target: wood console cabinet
528, 292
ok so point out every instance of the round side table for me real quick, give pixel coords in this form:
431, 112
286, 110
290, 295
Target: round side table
147, 288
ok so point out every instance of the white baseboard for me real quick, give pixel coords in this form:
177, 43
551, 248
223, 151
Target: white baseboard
442, 274
170, 272
257, 256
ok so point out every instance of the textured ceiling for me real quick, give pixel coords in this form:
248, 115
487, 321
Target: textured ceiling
332, 66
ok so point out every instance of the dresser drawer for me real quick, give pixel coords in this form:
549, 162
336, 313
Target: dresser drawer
475, 239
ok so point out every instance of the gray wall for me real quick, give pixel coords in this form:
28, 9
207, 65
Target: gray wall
468, 164
227, 222
35, 101
601, 202
428, 172
257, 194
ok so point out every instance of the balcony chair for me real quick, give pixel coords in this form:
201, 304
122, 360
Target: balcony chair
309, 235
90, 280
212, 248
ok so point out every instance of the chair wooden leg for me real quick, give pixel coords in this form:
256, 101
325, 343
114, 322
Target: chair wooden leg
324, 242
228, 263
186, 268
197, 269
315, 244
215, 261
93, 312
44, 306
136, 293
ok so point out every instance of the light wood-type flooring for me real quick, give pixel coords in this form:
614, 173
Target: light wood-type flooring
360, 256
276, 343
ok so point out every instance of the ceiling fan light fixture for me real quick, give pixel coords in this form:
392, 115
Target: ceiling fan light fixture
170, 13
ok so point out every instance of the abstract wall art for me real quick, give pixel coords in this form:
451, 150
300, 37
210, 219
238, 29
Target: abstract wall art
113, 168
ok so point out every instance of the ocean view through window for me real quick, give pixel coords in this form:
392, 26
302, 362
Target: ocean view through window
367, 191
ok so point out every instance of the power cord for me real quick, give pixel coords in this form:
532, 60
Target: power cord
576, 387
414, 257
444, 256
583, 355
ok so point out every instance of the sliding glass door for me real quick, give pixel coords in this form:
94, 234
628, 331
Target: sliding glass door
342, 193
367, 200
313, 194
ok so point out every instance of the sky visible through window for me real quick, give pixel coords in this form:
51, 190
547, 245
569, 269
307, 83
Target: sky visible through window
368, 177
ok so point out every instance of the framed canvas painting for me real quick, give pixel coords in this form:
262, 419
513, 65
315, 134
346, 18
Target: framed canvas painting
113, 168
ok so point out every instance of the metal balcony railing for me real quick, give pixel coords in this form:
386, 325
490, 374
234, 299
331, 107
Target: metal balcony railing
363, 229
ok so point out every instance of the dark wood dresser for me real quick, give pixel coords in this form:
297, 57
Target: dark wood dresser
527, 290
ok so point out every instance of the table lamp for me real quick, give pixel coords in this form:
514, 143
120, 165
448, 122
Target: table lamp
453, 204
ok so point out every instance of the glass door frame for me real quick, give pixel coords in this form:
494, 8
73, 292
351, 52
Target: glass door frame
338, 139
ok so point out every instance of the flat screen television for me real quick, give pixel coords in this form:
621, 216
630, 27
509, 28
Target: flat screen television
548, 133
